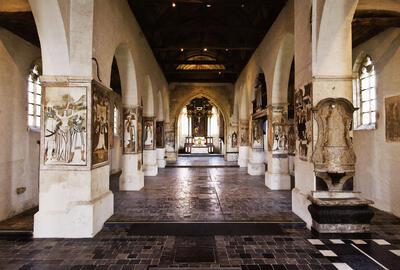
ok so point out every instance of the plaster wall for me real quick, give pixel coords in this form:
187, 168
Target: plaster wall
19, 155
110, 16
377, 166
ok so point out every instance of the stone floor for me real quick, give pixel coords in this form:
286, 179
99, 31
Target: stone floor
204, 194
204, 218
202, 161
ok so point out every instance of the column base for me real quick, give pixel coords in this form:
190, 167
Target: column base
82, 220
255, 168
132, 182
243, 156
300, 205
161, 162
277, 181
334, 212
150, 167
73, 204
131, 178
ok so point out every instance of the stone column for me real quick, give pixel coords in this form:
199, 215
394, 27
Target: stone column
277, 177
160, 144
256, 165
150, 166
132, 177
74, 196
243, 143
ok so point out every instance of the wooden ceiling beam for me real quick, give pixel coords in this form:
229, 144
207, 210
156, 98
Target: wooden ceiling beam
377, 22
202, 71
230, 48
201, 62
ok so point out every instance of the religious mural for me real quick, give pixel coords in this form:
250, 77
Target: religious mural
130, 130
244, 133
234, 140
303, 121
392, 109
257, 134
160, 134
279, 129
101, 124
169, 138
65, 127
148, 128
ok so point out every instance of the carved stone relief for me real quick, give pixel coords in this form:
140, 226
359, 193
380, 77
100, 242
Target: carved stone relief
257, 134
101, 124
334, 158
279, 130
244, 133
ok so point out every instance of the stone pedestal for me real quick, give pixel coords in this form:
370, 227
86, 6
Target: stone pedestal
161, 162
340, 212
256, 165
277, 177
73, 204
243, 156
150, 166
132, 178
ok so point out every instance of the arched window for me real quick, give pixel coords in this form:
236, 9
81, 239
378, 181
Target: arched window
366, 95
34, 97
116, 121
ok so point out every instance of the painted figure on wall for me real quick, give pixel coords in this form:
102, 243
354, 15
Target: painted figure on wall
65, 126
130, 124
148, 133
392, 105
257, 134
234, 140
160, 134
101, 125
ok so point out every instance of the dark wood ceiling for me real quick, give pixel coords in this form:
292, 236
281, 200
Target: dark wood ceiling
230, 30
367, 24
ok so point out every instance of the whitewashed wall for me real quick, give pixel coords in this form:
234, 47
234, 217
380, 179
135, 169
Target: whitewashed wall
19, 152
377, 168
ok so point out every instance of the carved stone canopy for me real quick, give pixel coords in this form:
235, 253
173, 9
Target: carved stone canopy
334, 149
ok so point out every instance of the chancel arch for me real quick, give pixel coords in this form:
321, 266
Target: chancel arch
201, 127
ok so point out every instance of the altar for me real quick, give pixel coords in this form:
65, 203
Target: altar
199, 149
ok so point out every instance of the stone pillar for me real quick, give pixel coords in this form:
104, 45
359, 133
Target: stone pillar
74, 195
243, 143
170, 151
132, 177
277, 177
256, 165
160, 144
150, 166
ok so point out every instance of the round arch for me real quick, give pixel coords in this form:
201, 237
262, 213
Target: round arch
127, 75
160, 107
244, 104
148, 97
183, 103
282, 68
